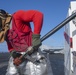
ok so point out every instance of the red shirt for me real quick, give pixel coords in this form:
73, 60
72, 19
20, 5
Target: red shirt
22, 21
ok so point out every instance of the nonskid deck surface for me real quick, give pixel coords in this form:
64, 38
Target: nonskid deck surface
56, 63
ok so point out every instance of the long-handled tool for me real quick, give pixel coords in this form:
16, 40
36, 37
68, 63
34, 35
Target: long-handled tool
59, 26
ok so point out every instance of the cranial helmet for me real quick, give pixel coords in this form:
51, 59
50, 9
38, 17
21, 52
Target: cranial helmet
4, 24
2, 17
3, 14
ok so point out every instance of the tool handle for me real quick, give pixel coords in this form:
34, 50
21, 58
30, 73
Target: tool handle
59, 26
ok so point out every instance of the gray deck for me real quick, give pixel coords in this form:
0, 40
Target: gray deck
56, 62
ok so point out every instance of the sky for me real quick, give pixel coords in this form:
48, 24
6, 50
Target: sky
55, 11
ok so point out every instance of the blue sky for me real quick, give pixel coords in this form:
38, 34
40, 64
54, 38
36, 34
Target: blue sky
54, 11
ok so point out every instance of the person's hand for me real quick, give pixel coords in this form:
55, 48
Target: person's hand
17, 61
36, 42
17, 58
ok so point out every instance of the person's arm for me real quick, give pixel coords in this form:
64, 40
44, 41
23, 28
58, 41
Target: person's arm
31, 16
16, 55
10, 48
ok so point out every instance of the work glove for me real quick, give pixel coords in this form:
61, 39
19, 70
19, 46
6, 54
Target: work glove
36, 42
17, 58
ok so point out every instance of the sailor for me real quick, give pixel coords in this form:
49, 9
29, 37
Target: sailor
16, 30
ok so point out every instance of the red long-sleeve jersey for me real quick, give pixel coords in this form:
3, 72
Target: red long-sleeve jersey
22, 21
